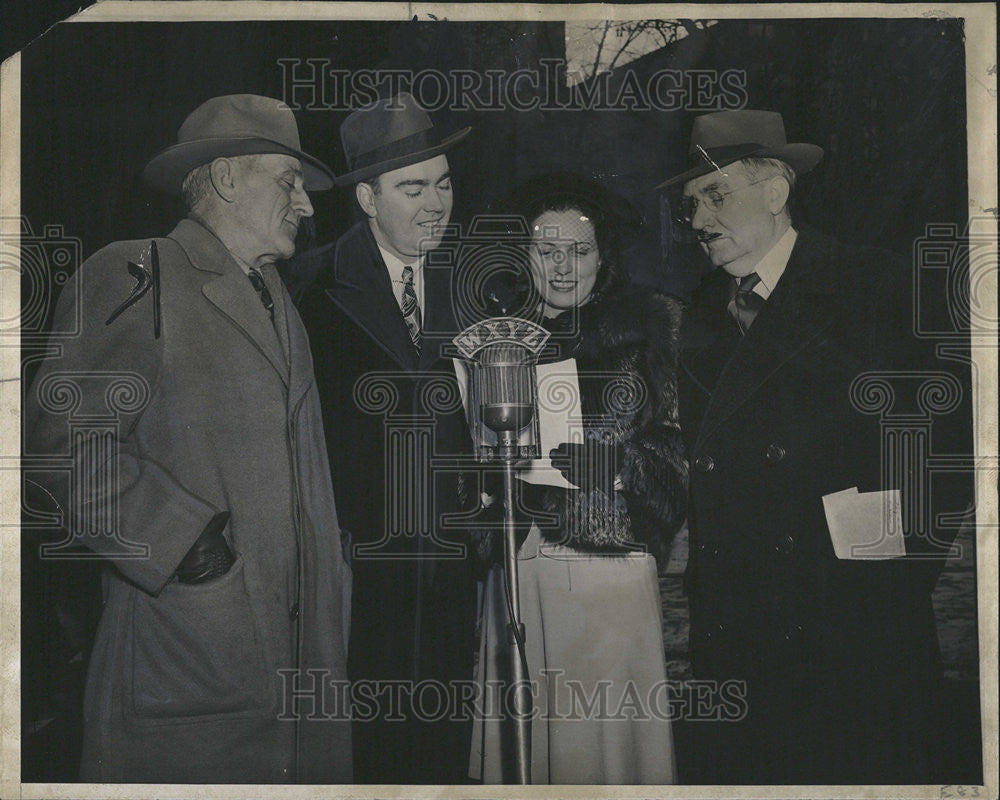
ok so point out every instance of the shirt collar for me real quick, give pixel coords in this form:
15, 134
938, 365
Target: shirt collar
772, 266
396, 265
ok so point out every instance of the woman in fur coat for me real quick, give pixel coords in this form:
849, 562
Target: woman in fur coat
595, 528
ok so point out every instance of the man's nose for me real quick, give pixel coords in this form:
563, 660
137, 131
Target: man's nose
301, 202
433, 201
701, 216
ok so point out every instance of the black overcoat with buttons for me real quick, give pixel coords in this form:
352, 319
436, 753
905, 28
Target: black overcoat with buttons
395, 431
840, 657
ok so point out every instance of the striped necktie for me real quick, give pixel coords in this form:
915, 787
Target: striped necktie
744, 302
410, 308
262, 292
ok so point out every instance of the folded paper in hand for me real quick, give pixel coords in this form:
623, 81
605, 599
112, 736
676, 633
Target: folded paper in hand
865, 526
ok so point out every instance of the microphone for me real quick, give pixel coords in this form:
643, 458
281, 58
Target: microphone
502, 396
502, 391
506, 392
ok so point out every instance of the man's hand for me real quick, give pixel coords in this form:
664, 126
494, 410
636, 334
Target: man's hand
591, 465
210, 556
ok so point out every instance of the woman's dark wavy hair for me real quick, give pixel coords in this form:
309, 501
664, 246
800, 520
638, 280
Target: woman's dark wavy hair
611, 217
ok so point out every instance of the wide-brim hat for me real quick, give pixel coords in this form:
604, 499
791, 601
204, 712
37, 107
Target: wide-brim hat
726, 136
234, 125
390, 134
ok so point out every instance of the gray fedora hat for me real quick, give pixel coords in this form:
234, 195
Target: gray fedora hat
234, 125
389, 134
726, 136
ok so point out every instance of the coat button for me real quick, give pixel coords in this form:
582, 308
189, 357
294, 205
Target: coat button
704, 464
775, 452
293, 612
785, 545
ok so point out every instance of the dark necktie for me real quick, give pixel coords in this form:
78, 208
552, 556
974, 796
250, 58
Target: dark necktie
265, 296
745, 303
410, 308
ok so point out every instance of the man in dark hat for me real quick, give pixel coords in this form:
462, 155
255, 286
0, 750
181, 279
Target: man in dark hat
186, 412
378, 316
804, 585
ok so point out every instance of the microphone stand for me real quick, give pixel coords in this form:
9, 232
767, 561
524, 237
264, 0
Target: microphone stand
503, 399
521, 694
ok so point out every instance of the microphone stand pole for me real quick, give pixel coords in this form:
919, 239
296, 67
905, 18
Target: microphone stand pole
520, 689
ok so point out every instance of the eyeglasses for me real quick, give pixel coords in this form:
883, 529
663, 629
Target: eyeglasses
687, 207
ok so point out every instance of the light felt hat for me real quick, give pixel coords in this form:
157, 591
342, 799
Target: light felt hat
234, 125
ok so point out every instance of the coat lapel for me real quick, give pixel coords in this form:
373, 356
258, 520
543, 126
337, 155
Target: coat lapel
798, 311
230, 290
300, 370
708, 337
361, 289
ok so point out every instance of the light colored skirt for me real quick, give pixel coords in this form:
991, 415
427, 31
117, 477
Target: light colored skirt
595, 657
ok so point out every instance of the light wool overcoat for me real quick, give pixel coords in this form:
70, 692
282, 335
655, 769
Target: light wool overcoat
218, 412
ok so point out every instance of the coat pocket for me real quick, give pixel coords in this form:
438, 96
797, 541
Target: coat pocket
197, 650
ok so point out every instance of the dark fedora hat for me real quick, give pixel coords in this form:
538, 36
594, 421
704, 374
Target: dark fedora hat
726, 136
390, 134
233, 125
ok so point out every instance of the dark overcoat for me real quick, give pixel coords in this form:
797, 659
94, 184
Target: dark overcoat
141, 438
840, 656
394, 430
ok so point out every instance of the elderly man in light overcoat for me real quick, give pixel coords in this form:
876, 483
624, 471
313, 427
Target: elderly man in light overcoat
206, 486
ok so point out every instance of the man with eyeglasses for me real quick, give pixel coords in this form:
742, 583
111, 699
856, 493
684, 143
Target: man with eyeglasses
804, 587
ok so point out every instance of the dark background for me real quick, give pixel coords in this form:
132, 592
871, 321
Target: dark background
884, 98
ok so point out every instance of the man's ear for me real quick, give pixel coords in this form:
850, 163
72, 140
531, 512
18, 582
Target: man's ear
778, 190
366, 198
223, 174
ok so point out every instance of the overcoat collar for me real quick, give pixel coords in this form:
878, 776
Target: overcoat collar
359, 285
229, 290
801, 308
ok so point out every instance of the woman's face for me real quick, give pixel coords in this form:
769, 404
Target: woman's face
564, 259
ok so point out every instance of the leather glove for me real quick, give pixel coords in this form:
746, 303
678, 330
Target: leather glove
210, 556
591, 465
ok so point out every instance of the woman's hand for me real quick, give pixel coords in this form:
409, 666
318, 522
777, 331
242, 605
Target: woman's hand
590, 465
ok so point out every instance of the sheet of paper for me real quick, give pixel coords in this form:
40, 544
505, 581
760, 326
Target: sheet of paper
559, 420
865, 526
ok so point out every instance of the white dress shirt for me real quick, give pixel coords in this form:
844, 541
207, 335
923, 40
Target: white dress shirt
772, 266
